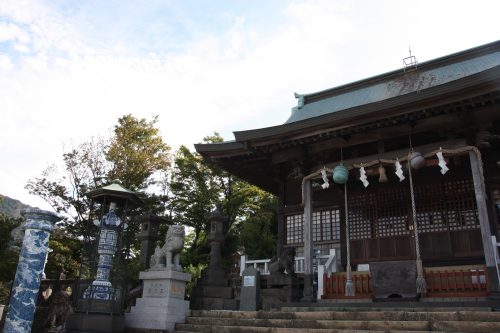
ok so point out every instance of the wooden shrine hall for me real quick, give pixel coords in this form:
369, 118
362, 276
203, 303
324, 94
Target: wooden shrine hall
400, 173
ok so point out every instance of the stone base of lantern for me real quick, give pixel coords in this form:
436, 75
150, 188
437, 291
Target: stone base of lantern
162, 304
95, 322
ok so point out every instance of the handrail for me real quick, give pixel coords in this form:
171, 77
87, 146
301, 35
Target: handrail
262, 265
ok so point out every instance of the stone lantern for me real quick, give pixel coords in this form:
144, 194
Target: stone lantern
148, 235
216, 238
99, 308
213, 291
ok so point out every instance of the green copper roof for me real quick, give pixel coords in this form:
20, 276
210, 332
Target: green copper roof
398, 83
115, 192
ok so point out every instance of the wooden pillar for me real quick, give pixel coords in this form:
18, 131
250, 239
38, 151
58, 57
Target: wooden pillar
482, 212
281, 221
308, 244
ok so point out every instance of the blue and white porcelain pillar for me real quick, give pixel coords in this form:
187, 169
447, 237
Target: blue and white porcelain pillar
38, 227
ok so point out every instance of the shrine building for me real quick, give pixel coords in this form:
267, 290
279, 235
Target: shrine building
421, 147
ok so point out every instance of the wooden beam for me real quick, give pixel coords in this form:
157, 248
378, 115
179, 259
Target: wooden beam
423, 125
286, 155
451, 144
482, 211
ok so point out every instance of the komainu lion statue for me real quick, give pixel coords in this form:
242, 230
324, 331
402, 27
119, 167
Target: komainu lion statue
285, 263
168, 256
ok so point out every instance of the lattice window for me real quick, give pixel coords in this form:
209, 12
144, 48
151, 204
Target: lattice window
294, 228
441, 206
362, 213
326, 226
461, 208
392, 213
447, 206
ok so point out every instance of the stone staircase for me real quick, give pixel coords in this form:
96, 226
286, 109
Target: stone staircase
346, 320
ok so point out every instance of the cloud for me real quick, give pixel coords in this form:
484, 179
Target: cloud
68, 73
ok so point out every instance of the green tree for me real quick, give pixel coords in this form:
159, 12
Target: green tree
85, 168
257, 235
194, 192
9, 256
137, 152
65, 256
199, 186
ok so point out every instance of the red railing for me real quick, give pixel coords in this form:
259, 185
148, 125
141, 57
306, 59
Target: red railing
334, 286
456, 283
440, 283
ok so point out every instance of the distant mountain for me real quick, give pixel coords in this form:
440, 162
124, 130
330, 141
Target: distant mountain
11, 207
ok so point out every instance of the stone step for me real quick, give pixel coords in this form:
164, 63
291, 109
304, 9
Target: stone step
308, 324
366, 307
354, 315
346, 320
187, 328
462, 326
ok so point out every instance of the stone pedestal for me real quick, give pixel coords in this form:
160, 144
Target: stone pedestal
94, 322
162, 304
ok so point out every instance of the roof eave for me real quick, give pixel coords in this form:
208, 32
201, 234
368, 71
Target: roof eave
485, 77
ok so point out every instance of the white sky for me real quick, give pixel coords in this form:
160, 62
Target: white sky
70, 69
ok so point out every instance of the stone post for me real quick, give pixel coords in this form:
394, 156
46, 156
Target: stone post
38, 227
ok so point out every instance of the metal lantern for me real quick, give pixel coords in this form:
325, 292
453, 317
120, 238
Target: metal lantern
101, 298
340, 174
110, 225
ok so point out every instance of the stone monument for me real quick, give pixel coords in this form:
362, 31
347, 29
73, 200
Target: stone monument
38, 227
250, 290
213, 291
162, 304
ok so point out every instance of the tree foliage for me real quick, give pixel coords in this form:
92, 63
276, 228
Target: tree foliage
9, 257
189, 191
198, 187
134, 154
137, 152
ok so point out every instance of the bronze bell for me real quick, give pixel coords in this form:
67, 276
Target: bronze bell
417, 161
382, 175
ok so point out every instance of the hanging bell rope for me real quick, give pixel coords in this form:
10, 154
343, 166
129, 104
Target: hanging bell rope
349, 286
420, 282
